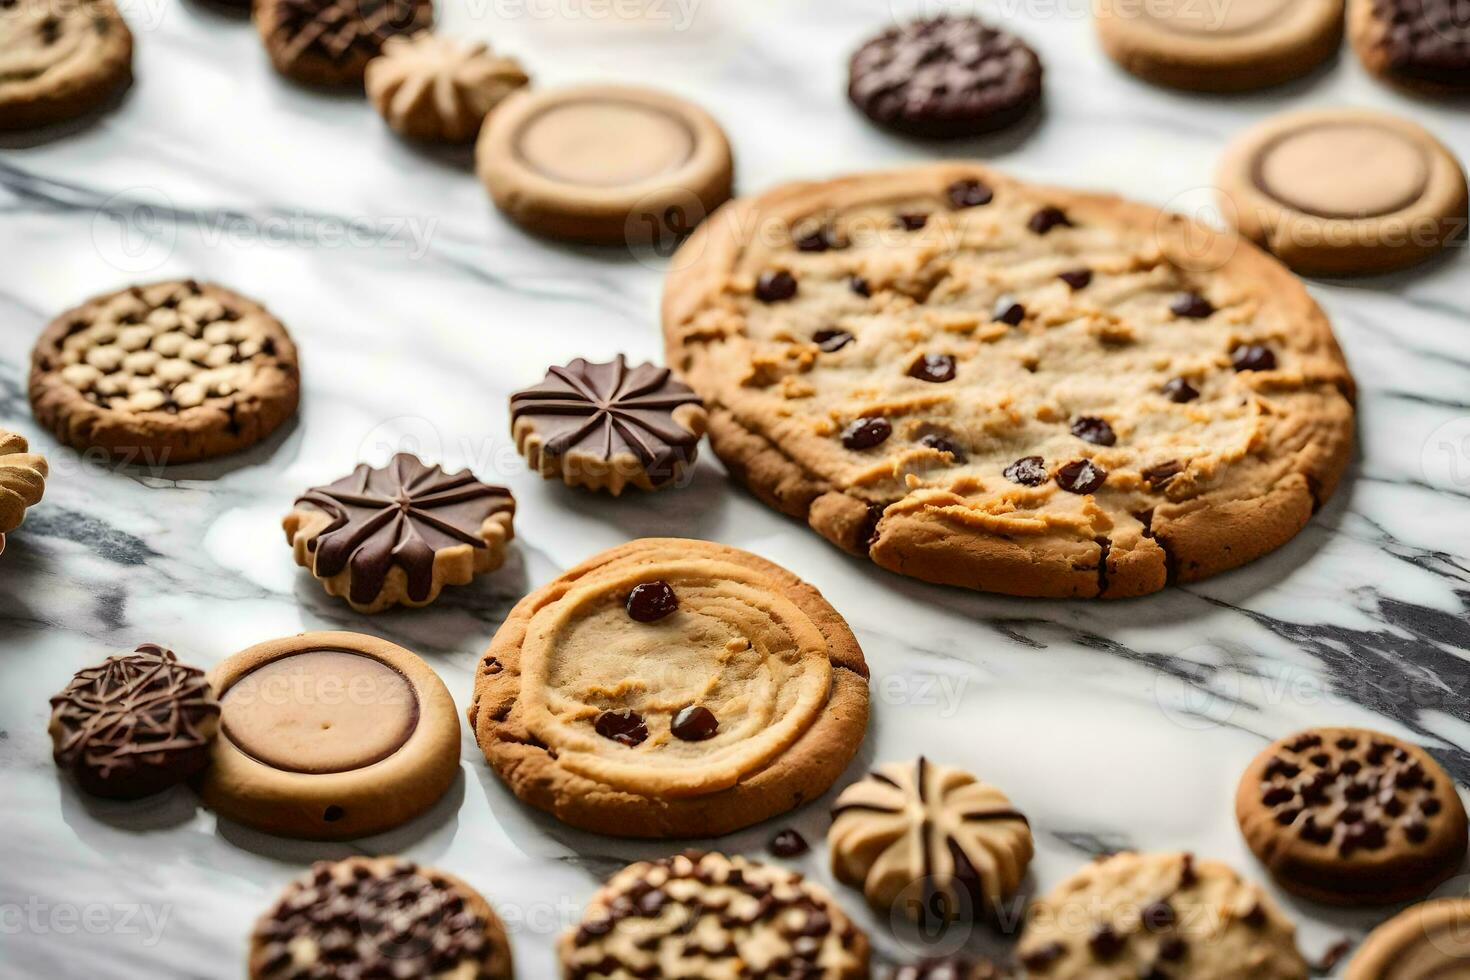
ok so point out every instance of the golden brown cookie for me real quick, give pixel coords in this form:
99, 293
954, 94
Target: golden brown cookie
1428, 940
1124, 916
326, 736
1230, 47
608, 426
399, 534
1350, 816
1423, 45
440, 89
1344, 191
671, 688
60, 59
379, 917
22, 481
168, 373
929, 838
708, 915
1013, 388
330, 42
604, 164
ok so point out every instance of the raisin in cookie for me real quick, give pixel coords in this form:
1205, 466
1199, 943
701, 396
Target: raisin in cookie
22, 481
330, 42
1013, 388
709, 915
1428, 940
379, 917
1349, 816
1418, 44
1158, 916
168, 373
399, 534
59, 59
671, 688
931, 839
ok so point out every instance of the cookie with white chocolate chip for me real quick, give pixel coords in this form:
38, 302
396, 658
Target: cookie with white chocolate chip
171, 372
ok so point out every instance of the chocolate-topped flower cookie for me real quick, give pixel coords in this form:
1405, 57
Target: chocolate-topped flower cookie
671, 688
1350, 816
931, 838
379, 917
330, 42
709, 915
605, 426
399, 534
135, 724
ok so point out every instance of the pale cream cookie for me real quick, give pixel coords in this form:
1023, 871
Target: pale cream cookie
716, 917
929, 842
440, 89
671, 688
22, 481
328, 736
1344, 191
1020, 389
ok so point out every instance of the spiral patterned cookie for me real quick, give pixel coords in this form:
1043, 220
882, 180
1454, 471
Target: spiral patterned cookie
22, 481
717, 917
935, 827
1350, 816
671, 688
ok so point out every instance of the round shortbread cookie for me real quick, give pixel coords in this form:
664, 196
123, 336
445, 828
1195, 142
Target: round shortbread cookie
671, 688
1245, 44
1431, 939
1158, 915
604, 164
1349, 816
1012, 388
1343, 191
59, 59
167, 373
1422, 45
327, 736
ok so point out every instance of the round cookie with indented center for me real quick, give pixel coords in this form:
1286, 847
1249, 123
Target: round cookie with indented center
171, 372
327, 736
1422, 45
1349, 816
604, 164
1022, 389
59, 59
1343, 191
1431, 939
1158, 915
1244, 44
379, 917
671, 688
708, 915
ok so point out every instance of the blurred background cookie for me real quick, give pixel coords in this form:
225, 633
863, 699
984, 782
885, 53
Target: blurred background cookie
439, 89
22, 481
1424, 941
1419, 44
330, 42
59, 60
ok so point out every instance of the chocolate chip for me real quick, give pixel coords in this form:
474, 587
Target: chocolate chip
1007, 310
1416, 830
1252, 357
1172, 949
1043, 956
787, 844
1281, 767
1287, 816
866, 432
1076, 278
969, 193
1255, 916
1305, 741
1097, 431
945, 446
1028, 471
1315, 832
1180, 391
859, 285
1187, 877
695, 723
913, 221
1350, 766
624, 727
1277, 795
832, 339
775, 286
1192, 306
650, 601
1158, 916
1081, 476
1429, 807
1347, 743
819, 240
1105, 942
935, 368
1369, 835
1163, 474
1046, 219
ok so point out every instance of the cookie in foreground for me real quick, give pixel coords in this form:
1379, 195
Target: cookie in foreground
671, 688
981, 382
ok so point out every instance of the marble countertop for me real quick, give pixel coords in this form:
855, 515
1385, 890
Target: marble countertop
418, 309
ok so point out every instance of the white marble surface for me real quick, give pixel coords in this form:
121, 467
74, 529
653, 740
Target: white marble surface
418, 309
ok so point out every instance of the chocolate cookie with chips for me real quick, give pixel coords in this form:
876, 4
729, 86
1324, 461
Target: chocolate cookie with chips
945, 78
1419, 44
378, 917
330, 42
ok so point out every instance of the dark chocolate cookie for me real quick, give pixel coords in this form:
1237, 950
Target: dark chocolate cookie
330, 42
945, 78
1423, 44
